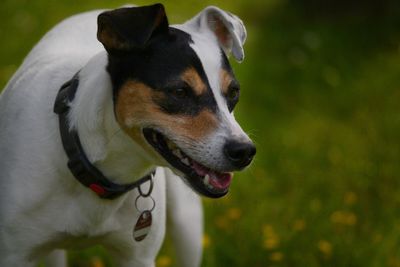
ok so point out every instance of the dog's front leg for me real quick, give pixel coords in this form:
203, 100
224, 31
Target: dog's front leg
185, 221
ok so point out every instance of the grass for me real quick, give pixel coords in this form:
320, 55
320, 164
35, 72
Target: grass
320, 97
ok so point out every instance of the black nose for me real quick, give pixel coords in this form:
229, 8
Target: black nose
239, 154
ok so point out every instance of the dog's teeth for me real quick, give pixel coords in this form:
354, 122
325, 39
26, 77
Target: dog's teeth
154, 137
185, 161
178, 153
206, 181
171, 145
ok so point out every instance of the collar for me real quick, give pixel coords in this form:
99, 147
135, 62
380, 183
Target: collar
78, 163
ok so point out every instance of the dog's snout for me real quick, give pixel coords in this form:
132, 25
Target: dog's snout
240, 154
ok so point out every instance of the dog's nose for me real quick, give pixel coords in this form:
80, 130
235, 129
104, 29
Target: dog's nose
240, 154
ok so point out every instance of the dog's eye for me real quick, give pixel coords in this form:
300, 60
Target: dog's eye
233, 93
232, 96
180, 92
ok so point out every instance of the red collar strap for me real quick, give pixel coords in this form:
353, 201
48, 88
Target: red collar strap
84, 171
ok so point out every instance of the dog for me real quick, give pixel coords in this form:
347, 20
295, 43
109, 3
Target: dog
101, 139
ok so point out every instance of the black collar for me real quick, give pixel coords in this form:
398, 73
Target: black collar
78, 163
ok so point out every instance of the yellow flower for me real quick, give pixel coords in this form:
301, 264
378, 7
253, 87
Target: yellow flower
96, 262
271, 243
268, 230
276, 256
206, 241
234, 213
351, 219
344, 217
350, 198
299, 225
337, 217
271, 238
163, 261
393, 261
325, 248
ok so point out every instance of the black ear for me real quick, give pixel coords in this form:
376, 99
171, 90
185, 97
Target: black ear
125, 29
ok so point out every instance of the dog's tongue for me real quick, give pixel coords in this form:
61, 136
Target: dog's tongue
217, 180
222, 181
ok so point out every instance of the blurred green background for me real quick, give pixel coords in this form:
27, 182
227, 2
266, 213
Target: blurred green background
320, 97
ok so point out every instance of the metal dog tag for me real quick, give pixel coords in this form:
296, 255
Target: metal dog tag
142, 226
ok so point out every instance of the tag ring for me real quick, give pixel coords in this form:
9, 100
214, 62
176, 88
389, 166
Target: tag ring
152, 208
150, 189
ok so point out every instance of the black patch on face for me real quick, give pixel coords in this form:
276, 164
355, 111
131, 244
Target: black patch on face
233, 93
160, 66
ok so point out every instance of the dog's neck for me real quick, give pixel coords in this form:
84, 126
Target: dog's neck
117, 156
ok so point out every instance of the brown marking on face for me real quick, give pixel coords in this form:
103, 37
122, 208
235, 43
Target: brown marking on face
192, 78
135, 109
226, 79
194, 127
133, 102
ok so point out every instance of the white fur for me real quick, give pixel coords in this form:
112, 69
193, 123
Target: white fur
42, 207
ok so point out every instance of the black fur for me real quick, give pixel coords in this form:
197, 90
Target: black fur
144, 48
130, 27
160, 65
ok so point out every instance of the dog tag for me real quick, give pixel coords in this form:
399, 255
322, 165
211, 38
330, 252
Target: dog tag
142, 226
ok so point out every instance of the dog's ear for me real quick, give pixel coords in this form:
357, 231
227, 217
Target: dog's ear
228, 29
125, 29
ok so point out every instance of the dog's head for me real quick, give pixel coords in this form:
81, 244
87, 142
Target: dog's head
175, 91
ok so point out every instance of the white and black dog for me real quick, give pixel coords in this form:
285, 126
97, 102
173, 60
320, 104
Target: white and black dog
81, 126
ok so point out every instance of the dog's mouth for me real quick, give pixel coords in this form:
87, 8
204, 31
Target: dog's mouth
202, 179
